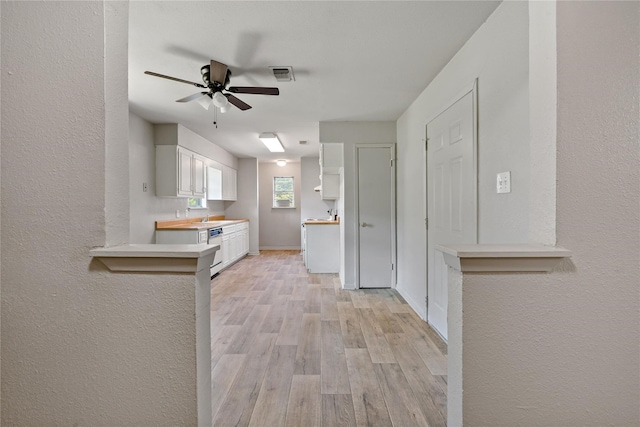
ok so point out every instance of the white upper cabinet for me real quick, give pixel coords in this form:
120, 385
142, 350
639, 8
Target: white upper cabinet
214, 183
329, 186
229, 183
222, 183
330, 165
199, 170
179, 172
185, 175
331, 158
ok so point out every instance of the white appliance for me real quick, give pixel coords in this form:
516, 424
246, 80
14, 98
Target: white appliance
215, 238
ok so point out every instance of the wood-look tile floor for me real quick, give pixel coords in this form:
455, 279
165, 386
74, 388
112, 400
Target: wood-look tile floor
293, 349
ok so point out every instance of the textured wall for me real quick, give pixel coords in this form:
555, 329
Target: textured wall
81, 346
497, 54
542, 122
561, 349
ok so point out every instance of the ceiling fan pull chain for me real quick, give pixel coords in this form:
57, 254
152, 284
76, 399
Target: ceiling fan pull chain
215, 116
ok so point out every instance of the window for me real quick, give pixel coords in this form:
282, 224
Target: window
197, 203
283, 192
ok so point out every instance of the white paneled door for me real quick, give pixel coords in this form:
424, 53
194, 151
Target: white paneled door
376, 215
451, 197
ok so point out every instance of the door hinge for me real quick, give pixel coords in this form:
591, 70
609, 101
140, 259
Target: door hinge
391, 165
426, 144
391, 267
426, 223
426, 300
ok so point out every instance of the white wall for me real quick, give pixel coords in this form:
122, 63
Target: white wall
565, 345
497, 54
81, 346
351, 133
247, 205
279, 227
311, 205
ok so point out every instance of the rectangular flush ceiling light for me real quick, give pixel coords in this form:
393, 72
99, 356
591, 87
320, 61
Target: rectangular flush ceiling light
272, 142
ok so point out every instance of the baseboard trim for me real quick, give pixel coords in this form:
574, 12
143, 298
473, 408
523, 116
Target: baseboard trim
420, 309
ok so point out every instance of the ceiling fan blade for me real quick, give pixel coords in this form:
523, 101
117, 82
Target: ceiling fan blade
151, 73
217, 72
237, 102
255, 90
191, 97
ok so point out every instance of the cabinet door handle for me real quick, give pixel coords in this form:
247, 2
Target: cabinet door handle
364, 224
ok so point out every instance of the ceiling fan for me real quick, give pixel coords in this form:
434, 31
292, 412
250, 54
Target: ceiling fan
216, 76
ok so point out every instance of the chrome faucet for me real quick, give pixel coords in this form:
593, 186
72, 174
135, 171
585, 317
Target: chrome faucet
205, 219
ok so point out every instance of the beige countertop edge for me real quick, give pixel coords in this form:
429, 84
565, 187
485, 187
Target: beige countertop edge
202, 225
327, 222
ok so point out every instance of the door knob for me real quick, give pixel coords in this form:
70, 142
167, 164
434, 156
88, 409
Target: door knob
364, 224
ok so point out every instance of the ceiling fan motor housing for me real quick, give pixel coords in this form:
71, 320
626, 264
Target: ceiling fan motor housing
206, 78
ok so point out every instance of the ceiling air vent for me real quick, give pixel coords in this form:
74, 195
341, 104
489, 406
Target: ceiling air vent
283, 74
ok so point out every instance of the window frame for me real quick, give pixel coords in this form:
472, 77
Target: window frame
274, 194
200, 203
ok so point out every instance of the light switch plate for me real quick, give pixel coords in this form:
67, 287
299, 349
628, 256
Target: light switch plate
503, 183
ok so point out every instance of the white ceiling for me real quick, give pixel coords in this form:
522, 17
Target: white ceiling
362, 60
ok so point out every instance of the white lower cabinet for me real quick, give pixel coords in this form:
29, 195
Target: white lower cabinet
322, 248
245, 240
226, 252
235, 243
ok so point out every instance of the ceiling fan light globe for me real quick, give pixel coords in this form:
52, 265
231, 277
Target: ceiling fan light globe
219, 100
225, 108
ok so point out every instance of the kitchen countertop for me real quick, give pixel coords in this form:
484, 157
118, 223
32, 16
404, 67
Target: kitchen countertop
196, 223
321, 222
